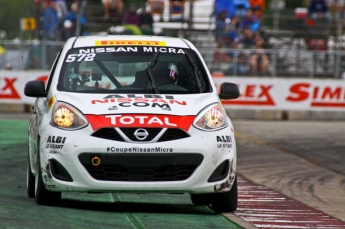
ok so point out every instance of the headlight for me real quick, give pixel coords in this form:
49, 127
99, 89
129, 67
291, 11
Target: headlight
67, 117
212, 118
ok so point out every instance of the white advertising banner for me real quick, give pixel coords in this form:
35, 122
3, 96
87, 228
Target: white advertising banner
287, 94
256, 93
12, 85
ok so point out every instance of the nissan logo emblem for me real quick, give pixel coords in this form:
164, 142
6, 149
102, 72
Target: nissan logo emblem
141, 134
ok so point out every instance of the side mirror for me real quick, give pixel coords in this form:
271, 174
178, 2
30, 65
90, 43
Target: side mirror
229, 91
35, 88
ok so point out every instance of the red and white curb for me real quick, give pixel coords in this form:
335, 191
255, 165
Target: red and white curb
265, 208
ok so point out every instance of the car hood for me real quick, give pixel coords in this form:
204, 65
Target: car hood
103, 104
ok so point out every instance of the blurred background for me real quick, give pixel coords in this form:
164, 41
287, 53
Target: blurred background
273, 38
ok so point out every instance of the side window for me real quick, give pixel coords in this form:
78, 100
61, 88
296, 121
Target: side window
52, 71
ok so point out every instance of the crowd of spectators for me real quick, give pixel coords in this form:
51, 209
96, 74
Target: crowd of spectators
115, 9
238, 27
58, 19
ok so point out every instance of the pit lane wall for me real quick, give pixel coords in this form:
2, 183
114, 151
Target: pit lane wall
261, 98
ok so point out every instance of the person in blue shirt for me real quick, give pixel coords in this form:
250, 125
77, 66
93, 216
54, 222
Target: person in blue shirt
221, 5
71, 20
241, 7
250, 20
50, 21
318, 9
226, 29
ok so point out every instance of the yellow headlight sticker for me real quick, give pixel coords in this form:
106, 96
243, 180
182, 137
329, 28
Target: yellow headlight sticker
51, 102
128, 42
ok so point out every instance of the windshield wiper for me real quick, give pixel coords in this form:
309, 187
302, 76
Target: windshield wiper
191, 61
150, 65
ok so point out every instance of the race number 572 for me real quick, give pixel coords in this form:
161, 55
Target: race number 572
80, 57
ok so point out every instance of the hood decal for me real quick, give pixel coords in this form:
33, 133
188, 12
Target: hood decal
140, 121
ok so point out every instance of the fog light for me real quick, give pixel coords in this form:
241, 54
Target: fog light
95, 161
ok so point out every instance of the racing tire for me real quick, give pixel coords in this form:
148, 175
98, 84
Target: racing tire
30, 180
227, 201
202, 199
44, 196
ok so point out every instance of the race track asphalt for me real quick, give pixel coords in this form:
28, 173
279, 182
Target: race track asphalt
78, 210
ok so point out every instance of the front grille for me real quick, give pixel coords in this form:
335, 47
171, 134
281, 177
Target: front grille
129, 132
173, 134
108, 133
141, 167
169, 135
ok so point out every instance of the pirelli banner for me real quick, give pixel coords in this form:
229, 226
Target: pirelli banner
256, 93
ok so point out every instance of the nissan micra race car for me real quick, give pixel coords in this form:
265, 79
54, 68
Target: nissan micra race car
131, 114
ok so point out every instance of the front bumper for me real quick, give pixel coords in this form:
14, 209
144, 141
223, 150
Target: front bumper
137, 167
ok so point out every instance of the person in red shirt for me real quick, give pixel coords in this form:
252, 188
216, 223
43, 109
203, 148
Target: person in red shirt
258, 7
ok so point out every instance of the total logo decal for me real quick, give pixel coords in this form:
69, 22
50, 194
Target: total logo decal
139, 120
321, 96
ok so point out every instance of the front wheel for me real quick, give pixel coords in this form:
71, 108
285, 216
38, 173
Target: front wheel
202, 199
227, 201
30, 180
44, 196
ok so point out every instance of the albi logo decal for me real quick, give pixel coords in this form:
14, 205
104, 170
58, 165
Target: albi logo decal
224, 141
253, 95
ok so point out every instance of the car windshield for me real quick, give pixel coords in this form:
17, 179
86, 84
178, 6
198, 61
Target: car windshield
133, 69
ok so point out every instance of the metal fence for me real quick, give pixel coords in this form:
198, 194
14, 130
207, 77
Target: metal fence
25, 55
289, 61
282, 63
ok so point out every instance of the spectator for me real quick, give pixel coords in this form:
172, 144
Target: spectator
62, 9
259, 62
241, 7
176, 10
146, 22
318, 9
238, 61
132, 20
225, 31
156, 9
247, 38
70, 2
258, 7
250, 20
338, 7
228, 6
131, 16
113, 9
71, 22
50, 21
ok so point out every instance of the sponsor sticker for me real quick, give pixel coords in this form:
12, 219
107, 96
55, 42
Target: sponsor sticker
140, 120
130, 42
140, 150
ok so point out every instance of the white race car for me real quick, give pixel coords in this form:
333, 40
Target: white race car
131, 114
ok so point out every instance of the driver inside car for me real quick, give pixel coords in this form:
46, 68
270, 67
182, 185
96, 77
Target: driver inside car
165, 76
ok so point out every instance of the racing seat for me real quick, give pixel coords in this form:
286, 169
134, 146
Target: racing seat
141, 79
